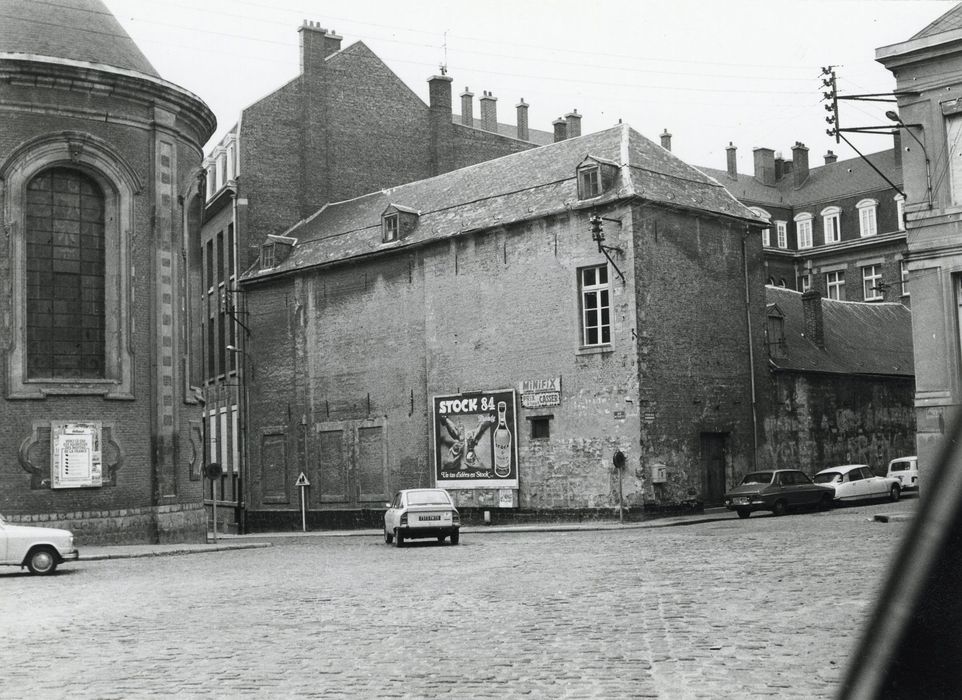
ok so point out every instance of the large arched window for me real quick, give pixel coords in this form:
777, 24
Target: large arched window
64, 237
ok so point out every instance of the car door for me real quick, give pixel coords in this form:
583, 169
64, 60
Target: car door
862, 486
809, 493
391, 517
875, 486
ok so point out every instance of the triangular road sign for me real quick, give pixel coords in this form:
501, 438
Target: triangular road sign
302, 480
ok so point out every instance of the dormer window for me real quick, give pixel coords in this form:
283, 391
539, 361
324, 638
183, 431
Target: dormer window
267, 256
398, 222
775, 331
390, 226
589, 182
595, 176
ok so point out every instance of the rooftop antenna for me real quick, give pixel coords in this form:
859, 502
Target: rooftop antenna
444, 47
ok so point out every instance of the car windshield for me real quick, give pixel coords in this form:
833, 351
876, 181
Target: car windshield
758, 478
428, 498
827, 477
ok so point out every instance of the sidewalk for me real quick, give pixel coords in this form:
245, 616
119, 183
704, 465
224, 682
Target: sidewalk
228, 542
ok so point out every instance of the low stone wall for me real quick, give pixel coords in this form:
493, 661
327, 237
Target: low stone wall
178, 523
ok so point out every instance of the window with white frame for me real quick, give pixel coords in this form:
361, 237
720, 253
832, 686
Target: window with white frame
904, 272
805, 282
872, 283
867, 225
832, 224
595, 305
390, 227
803, 230
781, 232
835, 285
900, 211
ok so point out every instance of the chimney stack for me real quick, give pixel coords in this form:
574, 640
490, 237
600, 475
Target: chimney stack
522, 108
812, 312
439, 115
800, 163
780, 169
764, 165
439, 92
317, 43
489, 112
560, 129
573, 126
830, 157
730, 152
467, 107
666, 140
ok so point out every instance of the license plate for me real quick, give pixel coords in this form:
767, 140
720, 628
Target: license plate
434, 519
740, 501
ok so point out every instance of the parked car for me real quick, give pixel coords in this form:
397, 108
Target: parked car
420, 514
857, 482
906, 470
40, 549
779, 491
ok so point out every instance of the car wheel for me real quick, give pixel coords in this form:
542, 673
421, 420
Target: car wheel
455, 537
742, 513
42, 561
398, 539
441, 538
780, 508
895, 492
388, 537
825, 502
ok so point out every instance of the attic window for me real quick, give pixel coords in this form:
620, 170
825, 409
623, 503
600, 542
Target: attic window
775, 333
390, 227
589, 182
267, 256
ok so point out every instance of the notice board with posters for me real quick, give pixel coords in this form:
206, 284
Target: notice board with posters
75, 455
476, 440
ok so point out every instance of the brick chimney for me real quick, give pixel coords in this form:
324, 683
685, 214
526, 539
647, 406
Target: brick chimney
573, 120
800, 163
780, 169
522, 108
732, 162
467, 107
812, 312
666, 140
317, 44
489, 112
764, 165
830, 157
442, 148
560, 129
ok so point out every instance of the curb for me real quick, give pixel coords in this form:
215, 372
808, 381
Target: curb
142, 551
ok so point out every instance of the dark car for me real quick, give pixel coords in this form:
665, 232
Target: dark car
779, 491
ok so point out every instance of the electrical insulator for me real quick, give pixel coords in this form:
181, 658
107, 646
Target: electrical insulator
596, 226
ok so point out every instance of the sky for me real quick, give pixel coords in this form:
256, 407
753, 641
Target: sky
710, 72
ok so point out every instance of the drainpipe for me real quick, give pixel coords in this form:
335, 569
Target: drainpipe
751, 351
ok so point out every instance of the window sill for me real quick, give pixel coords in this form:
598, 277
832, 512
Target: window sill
595, 349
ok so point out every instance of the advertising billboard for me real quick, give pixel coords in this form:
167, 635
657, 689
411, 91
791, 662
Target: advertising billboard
75, 455
476, 440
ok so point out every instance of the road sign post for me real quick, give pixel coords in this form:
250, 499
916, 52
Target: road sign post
302, 483
618, 459
213, 473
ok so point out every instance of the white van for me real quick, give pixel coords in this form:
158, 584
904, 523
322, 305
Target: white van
906, 470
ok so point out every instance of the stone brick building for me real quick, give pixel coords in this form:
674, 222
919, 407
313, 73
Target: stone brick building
929, 90
842, 382
467, 329
99, 427
344, 126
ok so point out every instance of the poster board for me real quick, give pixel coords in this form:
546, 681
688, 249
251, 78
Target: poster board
75, 455
476, 440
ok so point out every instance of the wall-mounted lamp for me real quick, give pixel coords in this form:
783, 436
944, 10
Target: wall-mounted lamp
598, 236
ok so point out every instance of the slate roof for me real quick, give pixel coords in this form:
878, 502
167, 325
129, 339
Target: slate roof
946, 23
860, 338
516, 187
542, 138
78, 30
824, 182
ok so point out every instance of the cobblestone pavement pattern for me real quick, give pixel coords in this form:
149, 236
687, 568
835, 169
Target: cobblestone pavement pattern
732, 609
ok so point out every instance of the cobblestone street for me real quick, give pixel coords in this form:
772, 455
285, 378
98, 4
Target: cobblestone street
762, 607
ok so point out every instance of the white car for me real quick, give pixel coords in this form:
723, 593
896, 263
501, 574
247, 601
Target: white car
40, 549
855, 482
420, 514
906, 470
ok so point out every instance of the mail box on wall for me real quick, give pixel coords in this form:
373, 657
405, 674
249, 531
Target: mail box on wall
659, 474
